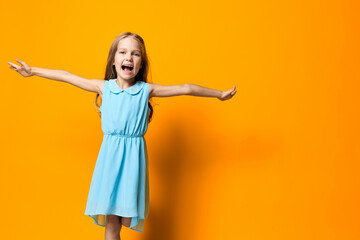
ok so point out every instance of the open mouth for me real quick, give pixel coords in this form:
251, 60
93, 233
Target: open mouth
127, 69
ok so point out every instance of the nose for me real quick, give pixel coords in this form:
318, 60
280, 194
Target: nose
128, 56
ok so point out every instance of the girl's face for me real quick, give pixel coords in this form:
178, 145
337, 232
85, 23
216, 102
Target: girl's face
128, 54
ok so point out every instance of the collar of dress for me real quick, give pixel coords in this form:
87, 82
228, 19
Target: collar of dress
134, 89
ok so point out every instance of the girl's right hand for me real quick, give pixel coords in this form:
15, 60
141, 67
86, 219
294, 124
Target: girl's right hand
24, 69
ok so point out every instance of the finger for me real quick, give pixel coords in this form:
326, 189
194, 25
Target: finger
12, 64
13, 68
21, 62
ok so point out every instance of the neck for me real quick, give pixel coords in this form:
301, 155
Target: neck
124, 84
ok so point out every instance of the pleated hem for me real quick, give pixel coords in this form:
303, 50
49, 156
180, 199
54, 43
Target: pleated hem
137, 223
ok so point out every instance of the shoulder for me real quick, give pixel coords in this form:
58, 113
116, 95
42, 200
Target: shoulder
151, 89
99, 85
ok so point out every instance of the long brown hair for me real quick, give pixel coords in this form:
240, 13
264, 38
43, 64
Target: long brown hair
110, 72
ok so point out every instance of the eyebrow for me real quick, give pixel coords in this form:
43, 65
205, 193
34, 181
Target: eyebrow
133, 50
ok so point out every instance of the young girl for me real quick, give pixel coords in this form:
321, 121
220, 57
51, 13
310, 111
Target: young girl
119, 189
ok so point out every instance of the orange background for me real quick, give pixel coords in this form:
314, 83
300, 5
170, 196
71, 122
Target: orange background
280, 160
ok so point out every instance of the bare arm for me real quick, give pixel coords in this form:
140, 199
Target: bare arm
92, 85
200, 91
157, 90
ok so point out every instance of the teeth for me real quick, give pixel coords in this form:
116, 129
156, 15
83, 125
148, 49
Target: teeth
123, 67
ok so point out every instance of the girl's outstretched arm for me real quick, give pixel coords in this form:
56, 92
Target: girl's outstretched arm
157, 90
92, 85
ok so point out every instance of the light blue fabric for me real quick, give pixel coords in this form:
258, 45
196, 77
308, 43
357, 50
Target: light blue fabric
120, 183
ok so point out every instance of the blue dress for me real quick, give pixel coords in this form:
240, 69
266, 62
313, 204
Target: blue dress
120, 183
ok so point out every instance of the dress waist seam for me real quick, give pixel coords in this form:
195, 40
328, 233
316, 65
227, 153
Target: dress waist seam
124, 135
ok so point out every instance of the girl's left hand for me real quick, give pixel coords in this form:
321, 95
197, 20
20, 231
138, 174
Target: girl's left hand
227, 94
